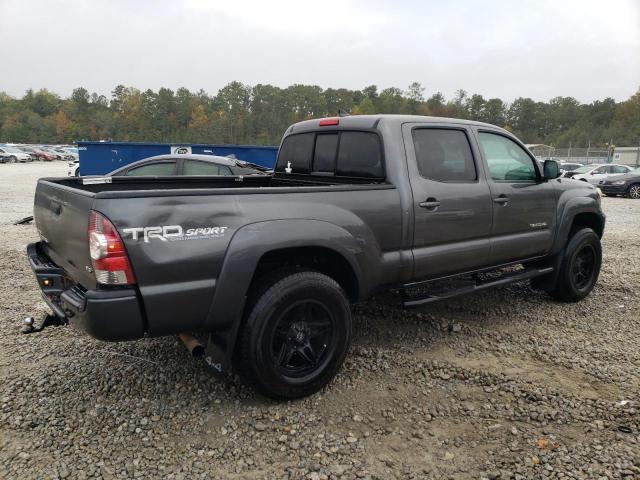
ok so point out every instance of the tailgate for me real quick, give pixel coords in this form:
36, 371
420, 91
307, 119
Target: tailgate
61, 215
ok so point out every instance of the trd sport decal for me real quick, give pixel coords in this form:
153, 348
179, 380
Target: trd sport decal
172, 233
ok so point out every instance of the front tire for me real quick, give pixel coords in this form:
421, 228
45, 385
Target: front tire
634, 191
580, 267
12, 159
296, 335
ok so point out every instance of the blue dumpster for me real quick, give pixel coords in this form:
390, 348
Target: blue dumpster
99, 158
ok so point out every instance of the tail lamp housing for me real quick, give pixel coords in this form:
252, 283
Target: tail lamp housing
109, 258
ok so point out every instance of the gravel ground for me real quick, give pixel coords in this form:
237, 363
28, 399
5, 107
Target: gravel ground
522, 387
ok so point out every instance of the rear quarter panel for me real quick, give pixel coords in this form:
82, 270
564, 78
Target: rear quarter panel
177, 277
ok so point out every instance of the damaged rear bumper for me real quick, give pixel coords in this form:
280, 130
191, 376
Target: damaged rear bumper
111, 315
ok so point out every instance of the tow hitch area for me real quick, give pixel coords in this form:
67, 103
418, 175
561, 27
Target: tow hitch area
29, 325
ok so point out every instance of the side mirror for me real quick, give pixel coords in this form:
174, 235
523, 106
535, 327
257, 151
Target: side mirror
551, 169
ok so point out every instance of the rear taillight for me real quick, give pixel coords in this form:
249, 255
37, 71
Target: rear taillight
110, 263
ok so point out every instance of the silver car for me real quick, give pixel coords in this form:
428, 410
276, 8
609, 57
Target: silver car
595, 173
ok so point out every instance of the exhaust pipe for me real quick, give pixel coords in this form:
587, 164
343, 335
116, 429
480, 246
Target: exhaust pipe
193, 345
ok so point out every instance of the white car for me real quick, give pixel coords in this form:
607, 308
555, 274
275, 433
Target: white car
13, 154
594, 173
73, 168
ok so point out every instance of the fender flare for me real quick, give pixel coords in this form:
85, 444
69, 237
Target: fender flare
571, 208
245, 250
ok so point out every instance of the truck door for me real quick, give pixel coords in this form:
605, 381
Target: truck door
524, 206
451, 200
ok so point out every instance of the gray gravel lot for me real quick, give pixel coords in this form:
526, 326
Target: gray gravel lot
528, 388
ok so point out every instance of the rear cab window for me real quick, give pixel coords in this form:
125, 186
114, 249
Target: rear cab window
346, 153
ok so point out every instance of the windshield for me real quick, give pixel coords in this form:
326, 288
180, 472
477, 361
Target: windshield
636, 171
585, 169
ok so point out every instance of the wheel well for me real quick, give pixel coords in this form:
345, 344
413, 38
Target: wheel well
588, 220
320, 259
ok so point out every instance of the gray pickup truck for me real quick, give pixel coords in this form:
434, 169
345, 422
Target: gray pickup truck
266, 268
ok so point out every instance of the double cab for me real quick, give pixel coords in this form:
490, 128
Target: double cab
266, 267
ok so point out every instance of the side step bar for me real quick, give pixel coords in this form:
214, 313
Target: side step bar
505, 279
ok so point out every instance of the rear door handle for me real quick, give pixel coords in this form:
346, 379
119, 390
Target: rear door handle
430, 204
502, 200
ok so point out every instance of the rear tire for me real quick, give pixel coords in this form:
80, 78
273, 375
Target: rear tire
296, 335
581, 262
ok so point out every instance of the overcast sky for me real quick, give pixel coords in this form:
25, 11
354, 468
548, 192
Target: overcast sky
540, 49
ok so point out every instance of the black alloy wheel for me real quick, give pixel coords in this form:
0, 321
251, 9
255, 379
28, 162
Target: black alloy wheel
302, 339
583, 266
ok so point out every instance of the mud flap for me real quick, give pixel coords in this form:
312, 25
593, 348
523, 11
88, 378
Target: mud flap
219, 351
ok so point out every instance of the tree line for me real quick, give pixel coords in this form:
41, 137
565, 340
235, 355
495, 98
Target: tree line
244, 114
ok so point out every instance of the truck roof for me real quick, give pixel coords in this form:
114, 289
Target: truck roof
372, 121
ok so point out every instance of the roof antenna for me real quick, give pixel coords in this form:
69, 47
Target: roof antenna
342, 113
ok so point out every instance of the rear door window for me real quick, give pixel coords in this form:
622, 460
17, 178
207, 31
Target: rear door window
196, 167
444, 155
619, 169
153, 169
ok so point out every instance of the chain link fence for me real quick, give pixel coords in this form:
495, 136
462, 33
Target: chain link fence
584, 155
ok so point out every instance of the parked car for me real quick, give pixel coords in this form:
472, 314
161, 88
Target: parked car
627, 184
594, 173
73, 168
68, 153
266, 266
190, 165
58, 155
37, 153
14, 154
570, 167
47, 155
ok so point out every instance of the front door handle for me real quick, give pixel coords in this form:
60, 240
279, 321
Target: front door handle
502, 200
430, 204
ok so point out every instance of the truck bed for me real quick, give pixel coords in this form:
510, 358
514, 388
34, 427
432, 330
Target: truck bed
204, 184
